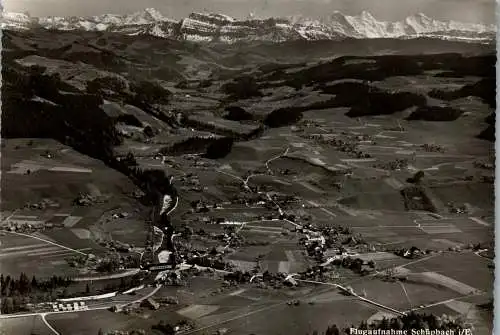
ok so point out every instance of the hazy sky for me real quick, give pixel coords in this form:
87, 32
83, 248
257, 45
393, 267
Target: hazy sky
461, 10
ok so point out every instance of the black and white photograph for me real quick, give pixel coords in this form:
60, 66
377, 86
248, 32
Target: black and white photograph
258, 167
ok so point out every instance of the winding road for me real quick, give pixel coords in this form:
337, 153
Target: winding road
48, 324
127, 273
245, 181
101, 306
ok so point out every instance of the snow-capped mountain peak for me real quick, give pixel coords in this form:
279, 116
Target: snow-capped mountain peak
16, 16
147, 16
365, 15
222, 28
154, 14
366, 25
19, 21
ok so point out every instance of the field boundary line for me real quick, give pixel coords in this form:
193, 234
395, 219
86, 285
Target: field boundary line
47, 241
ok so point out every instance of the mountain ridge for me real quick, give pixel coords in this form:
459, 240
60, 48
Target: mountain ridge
210, 27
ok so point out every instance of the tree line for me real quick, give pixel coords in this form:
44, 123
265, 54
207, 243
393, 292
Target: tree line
10, 286
15, 293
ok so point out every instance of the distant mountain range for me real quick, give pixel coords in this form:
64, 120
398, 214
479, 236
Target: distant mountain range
206, 27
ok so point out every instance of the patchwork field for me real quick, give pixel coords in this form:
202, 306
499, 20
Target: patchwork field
46, 197
21, 253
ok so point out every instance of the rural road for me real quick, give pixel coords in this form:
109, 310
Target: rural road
10, 216
101, 306
47, 241
233, 318
275, 158
23, 315
245, 181
371, 302
149, 295
444, 302
48, 324
185, 266
256, 311
104, 306
129, 272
